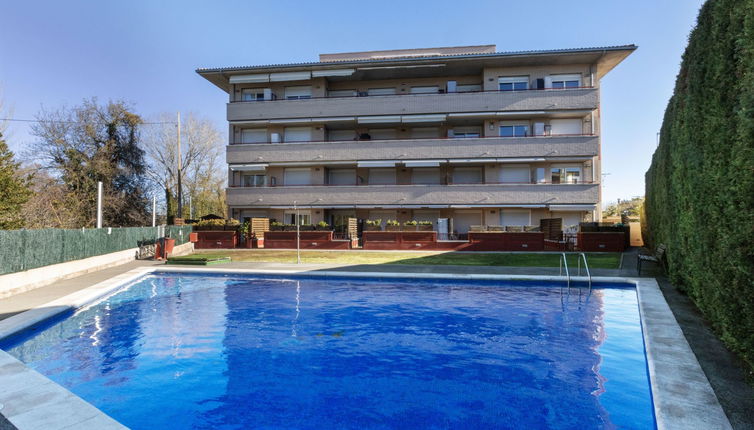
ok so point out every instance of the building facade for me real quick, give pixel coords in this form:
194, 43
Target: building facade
463, 134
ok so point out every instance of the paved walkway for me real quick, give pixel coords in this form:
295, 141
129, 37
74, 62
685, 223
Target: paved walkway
723, 369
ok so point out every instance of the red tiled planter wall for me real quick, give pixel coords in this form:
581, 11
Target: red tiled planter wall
308, 240
601, 242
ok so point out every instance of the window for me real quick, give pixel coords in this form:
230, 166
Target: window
425, 175
252, 94
304, 217
253, 135
342, 93
381, 91
565, 81
382, 176
565, 175
462, 132
467, 175
469, 88
254, 180
513, 83
425, 90
297, 93
425, 133
341, 177
297, 177
298, 134
520, 130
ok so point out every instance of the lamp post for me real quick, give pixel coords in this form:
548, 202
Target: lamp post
298, 235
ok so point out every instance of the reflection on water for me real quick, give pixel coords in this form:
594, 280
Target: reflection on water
198, 351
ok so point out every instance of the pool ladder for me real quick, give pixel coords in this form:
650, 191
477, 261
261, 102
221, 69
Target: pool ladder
564, 265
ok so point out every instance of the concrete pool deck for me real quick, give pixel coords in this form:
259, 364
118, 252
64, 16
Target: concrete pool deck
678, 404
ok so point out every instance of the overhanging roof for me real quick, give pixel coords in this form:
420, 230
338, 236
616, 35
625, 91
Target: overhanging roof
605, 58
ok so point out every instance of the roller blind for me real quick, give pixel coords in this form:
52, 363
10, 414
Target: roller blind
381, 176
425, 175
297, 177
515, 217
519, 174
467, 175
342, 176
565, 126
298, 134
303, 92
254, 135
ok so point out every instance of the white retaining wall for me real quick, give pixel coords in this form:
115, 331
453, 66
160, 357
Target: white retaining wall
19, 282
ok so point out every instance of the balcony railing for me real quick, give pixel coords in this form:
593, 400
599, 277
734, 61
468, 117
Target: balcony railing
411, 184
366, 95
415, 104
406, 139
381, 195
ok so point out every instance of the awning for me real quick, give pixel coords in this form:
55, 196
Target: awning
249, 79
382, 163
379, 119
290, 76
422, 118
423, 163
571, 208
472, 160
518, 160
334, 72
248, 167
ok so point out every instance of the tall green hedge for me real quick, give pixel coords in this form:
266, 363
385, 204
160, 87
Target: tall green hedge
700, 186
27, 249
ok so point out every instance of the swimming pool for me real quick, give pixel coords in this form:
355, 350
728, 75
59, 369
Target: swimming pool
230, 351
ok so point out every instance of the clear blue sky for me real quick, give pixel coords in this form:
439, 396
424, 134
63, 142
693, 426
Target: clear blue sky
60, 52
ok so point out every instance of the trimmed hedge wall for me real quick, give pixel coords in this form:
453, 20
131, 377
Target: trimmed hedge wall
28, 249
700, 186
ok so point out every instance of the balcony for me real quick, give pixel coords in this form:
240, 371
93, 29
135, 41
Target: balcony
482, 147
408, 195
416, 104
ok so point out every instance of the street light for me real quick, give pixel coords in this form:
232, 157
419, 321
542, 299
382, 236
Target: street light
298, 235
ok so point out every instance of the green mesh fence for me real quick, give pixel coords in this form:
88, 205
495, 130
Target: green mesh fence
27, 249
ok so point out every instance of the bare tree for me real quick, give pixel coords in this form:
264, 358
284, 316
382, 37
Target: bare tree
201, 150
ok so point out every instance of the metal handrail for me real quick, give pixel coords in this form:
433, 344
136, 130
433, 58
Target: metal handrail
564, 263
586, 266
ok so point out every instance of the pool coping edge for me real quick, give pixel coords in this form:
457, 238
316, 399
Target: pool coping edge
682, 396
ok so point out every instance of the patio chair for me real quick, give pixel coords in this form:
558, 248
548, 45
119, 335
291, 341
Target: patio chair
656, 258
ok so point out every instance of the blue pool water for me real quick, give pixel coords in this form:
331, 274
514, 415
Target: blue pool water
179, 351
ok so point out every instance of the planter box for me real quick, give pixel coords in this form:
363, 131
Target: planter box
395, 240
502, 241
601, 242
216, 239
307, 240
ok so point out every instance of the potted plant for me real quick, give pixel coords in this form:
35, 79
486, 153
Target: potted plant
323, 226
245, 230
424, 225
410, 225
276, 226
373, 225
289, 227
306, 227
392, 225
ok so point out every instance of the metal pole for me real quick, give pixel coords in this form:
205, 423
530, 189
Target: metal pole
154, 211
180, 163
191, 208
298, 236
99, 204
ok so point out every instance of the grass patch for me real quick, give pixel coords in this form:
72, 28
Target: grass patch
596, 260
199, 259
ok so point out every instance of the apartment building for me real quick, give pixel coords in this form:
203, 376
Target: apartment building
465, 134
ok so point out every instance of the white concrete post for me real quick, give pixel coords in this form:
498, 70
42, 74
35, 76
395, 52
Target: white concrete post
99, 204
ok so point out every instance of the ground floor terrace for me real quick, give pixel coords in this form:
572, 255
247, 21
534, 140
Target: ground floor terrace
448, 221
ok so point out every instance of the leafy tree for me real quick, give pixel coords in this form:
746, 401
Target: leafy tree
14, 189
700, 186
90, 143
